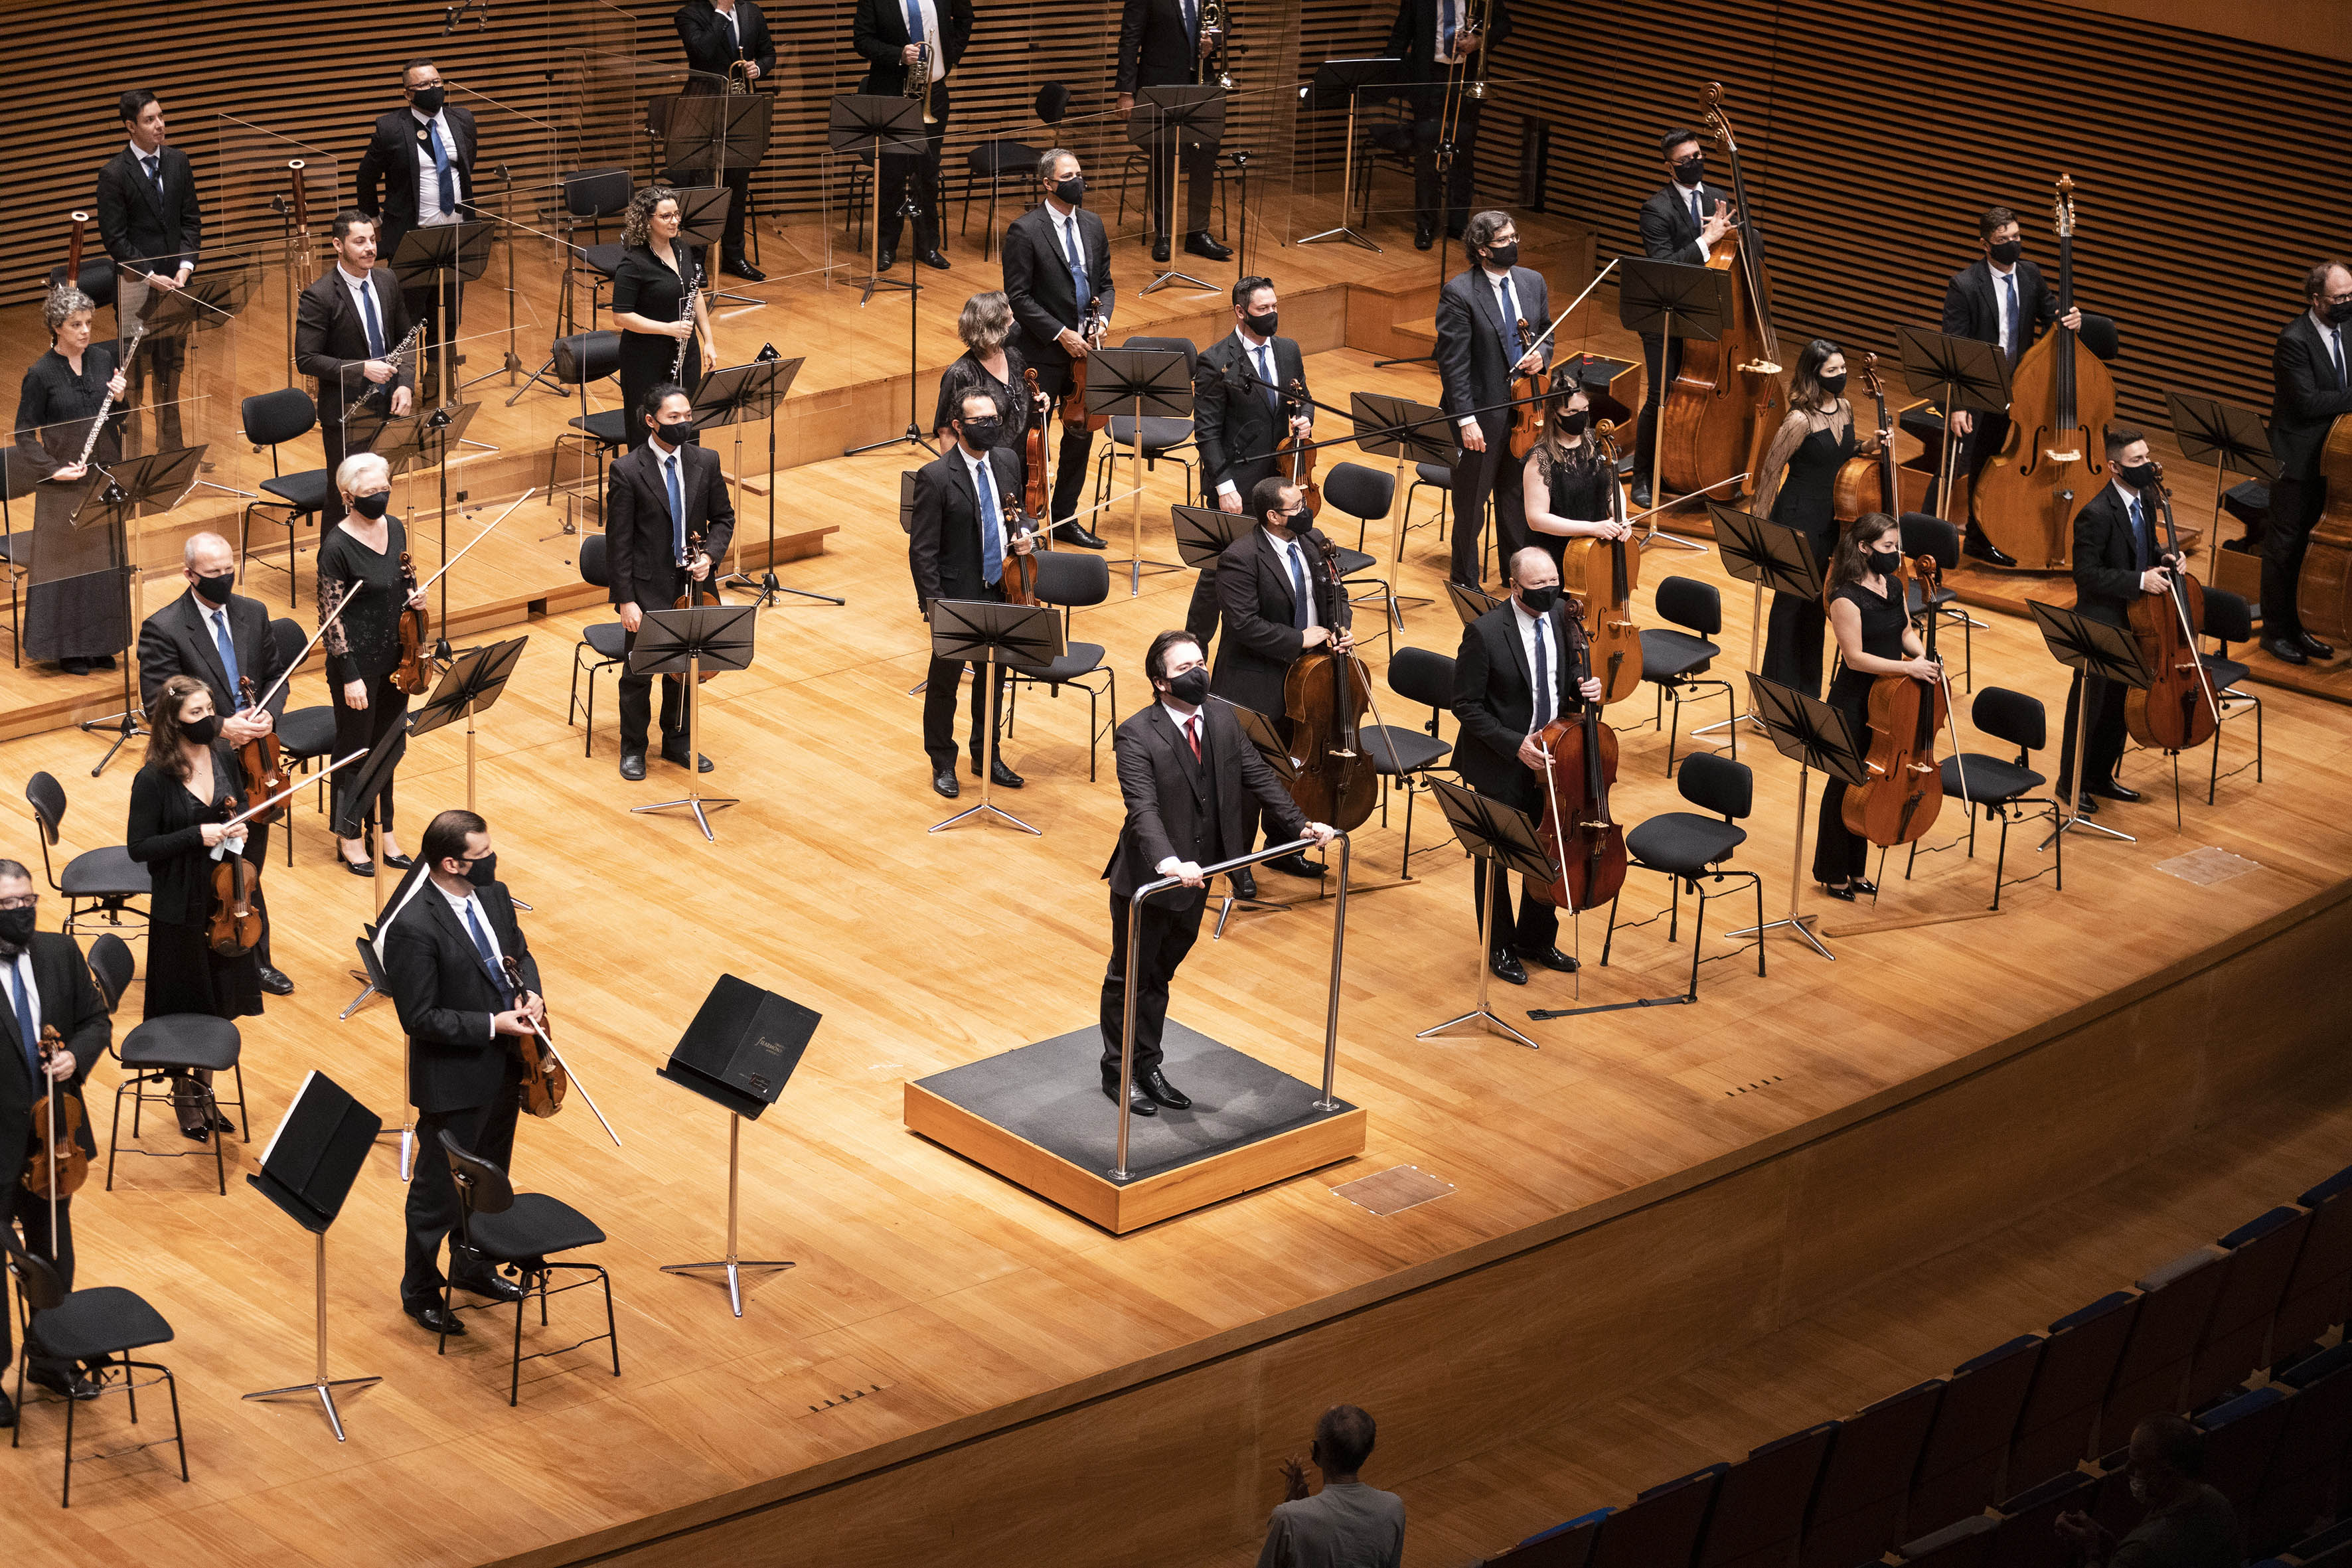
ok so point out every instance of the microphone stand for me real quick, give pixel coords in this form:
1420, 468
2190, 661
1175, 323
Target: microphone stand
908, 211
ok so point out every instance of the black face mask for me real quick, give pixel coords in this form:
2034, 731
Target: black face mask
484, 871
1071, 192
1539, 601
1576, 424
215, 590
1502, 257
675, 431
2004, 253
1885, 563
2139, 475
429, 99
372, 507
1833, 385
2338, 311
16, 931
1192, 686
204, 732
1264, 325
1691, 171
982, 434
1290, 523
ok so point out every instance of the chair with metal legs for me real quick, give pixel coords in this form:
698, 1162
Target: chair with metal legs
1686, 846
523, 1231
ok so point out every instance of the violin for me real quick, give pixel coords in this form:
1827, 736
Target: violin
1295, 455
1020, 579
2324, 591
1527, 413
2060, 401
1075, 416
413, 673
236, 919
697, 590
58, 1165
1579, 765
544, 1082
1898, 803
1725, 400
1326, 694
2178, 710
1605, 573
1869, 483
262, 761
1033, 491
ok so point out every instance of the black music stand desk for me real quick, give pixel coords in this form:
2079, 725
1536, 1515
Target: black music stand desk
2093, 650
1166, 119
1350, 77
1812, 734
1765, 554
685, 643
988, 633
2234, 439
1670, 300
135, 487
1141, 383
474, 681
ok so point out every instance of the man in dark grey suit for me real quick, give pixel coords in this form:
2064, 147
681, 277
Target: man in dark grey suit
2311, 374
1192, 785
1478, 350
1682, 222
1057, 274
1240, 413
153, 228
349, 326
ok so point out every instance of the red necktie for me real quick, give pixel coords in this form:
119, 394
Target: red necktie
1192, 733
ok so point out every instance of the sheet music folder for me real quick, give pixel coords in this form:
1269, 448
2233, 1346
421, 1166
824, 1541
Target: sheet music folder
741, 1048
317, 1152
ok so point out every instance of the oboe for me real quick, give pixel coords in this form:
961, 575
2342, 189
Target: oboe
106, 404
685, 312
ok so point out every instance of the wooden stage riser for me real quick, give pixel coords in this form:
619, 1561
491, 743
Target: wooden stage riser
1455, 1358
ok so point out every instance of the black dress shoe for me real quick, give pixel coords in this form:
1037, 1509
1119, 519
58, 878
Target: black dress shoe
275, 981
1137, 1102
497, 1287
1550, 958
886, 259
74, 666
2086, 806
1506, 965
223, 1125
1641, 494
434, 1320
2311, 645
1245, 885
944, 781
1844, 895
632, 765
1864, 888
8, 1410
1294, 864
1199, 242
702, 765
1078, 534
358, 867
742, 268
1156, 1085
399, 862
69, 1385
2286, 652
932, 258
1160, 250
1980, 548
103, 661
1423, 238
2111, 791
1002, 777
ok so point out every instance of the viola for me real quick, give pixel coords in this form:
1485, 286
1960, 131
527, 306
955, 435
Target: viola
1326, 694
58, 1166
2324, 591
1527, 413
1604, 572
1075, 416
1576, 831
2178, 710
413, 673
1725, 400
1294, 454
236, 926
2060, 401
1868, 482
544, 1082
1033, 491
262, 761
1020, 579
1898, 801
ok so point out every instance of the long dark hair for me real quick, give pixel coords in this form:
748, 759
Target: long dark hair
166, 736
1848, 564
1806, 392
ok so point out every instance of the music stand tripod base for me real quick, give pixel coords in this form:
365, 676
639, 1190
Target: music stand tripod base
1505, 837
730, 1265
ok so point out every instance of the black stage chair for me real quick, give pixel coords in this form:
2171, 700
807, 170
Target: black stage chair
1071, 578
2001, 785
1676, 662
162, 1049
607, 642
521, 1230
271, 419
1686, 846
1404, 755
107, 879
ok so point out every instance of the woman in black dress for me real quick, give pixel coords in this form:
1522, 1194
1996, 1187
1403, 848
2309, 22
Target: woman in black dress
992, 364
1798, 486
1869, 614
363, 552
650, 294
178, 812
1567, 485
75, 612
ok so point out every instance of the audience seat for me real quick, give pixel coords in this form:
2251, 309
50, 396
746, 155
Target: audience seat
1857, 1510
2261, 1256
1659, 1529
2151, 1375
2322, 1270
1759, 1508
2070, 1387
1960, 1462
2242, 1437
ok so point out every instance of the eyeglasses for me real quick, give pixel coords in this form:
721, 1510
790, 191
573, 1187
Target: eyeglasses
29, 901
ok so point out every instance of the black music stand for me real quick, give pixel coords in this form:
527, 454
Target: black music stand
718, 132
1812, 734
1139, 384
474, 681
1670, 300
407, 442
1385, 425
1166, 120
307, 1170
1767, 554
683, 643
987, 632
1505, 837
1204, 532
1957, 373
877, 125
733, 396
1470, 602
135, 487
2232, 438
1350, 77
441, 257
2091, 649
206, 302
738, 1053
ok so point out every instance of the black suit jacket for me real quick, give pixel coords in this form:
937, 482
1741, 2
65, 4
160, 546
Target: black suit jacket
156, 234
2305, 398
640, 546
879, 33
1255, 595
70, 1001
1972, 306
165, 835
1155, 48
943, 544
2106, 581
1412, 39
330, 340
446, 998
178, 640
390, 177
1493, 695
1231, 423
1667, 232
1476, 348
710, 43
1037, 283
1172, 801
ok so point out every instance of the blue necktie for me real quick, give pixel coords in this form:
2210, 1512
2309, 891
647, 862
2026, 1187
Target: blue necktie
155, 174
2139, 538
1543, 683
991, 528
441, 170
1193, 22
374, 322
1080, 288
482, 946
677, 509
1510, 315
2008, 287
1446, 28
219, 619
24, 1020
915, 33
2336, 354
1298, 591
1266, 374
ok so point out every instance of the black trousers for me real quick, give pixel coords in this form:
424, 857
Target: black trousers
439, 310
488, 1130
1453, 204
1840, 854
163, 357
1202, 614
2296, 505
30, 1214
1989, 428
637, 705
358, 727
2106, 738
1476, 476
1162, 939
1198, 164
736, 178
1663, 358
1077, 447
1792, 642
940, 682
921, 173
1535, 927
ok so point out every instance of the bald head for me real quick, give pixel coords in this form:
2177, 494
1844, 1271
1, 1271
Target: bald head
208, 556
1533, 567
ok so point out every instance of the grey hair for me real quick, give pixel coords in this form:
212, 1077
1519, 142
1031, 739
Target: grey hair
1051, 156
356, 467
63, 300
188, 551
986, 322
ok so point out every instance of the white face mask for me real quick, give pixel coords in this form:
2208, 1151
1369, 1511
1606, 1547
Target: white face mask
2139, 1489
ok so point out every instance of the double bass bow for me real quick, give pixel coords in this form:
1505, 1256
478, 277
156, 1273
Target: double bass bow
1869, 483
547, 1077
2178, 708
1325, 694
1606, 572
1577, 832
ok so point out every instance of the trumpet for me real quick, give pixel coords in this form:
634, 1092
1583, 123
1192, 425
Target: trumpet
1213, 26
919, 81
739, 75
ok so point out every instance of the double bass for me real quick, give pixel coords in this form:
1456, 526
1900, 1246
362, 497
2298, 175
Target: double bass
413, 673
2060, 401
1325, 695
1898, 801
2178, 708
1576, 831
2324, 589
1604, 572
1725, 402
1869, 484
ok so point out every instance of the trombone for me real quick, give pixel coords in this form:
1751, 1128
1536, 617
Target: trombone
1213, 26
1465, 77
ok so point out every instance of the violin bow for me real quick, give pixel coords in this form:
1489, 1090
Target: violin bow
290, 790
294, 664
475, 539
1572, 304
549, 1046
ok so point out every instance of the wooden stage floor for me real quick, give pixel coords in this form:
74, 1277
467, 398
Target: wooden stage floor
934, 1304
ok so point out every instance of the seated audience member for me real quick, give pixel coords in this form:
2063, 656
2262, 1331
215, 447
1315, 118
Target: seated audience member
2188, 1525
1346, 1524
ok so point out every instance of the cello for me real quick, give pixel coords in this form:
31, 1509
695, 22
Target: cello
2178, 708
1725, 400
1325, 695
2060, 401
1866, 483
1607, 571
1579, 765
262, 761
2324, 589
413, 673
1898, 801
1293, 456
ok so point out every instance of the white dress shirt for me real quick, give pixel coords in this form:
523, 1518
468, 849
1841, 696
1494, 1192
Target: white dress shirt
469, 903
1543, 670
428, 180
2004, 279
